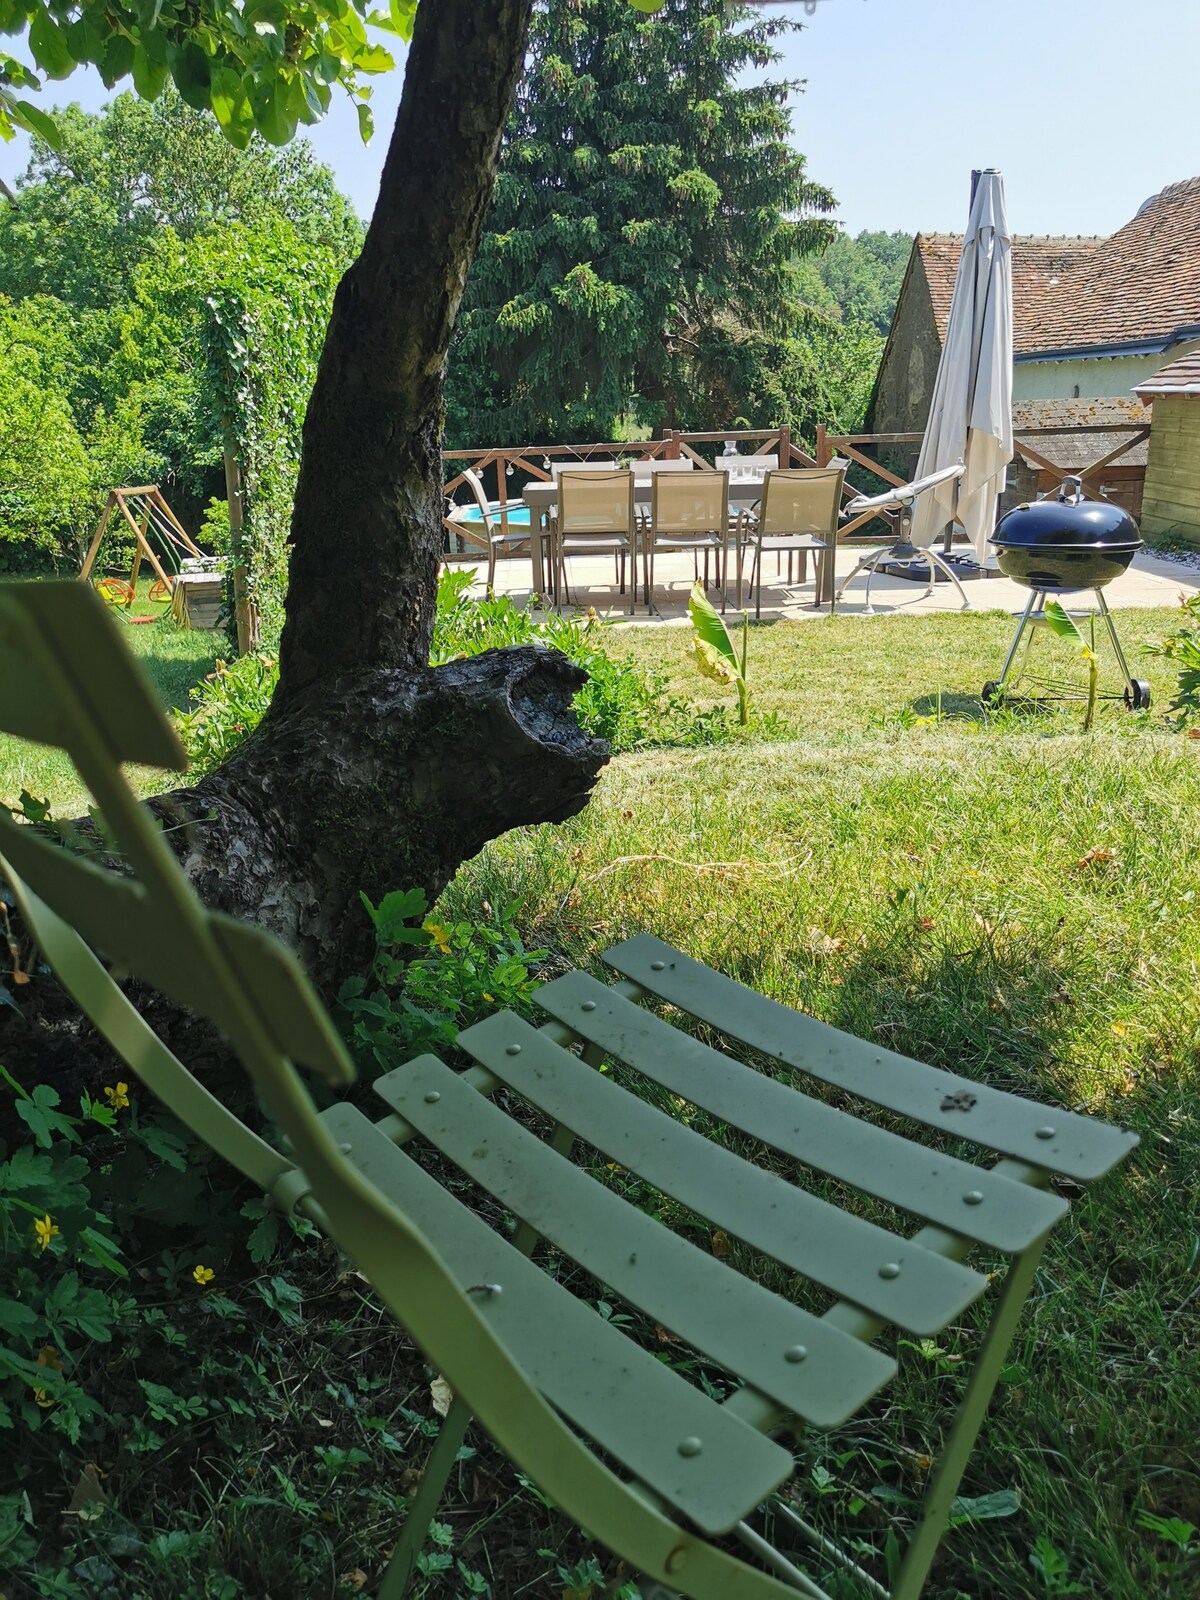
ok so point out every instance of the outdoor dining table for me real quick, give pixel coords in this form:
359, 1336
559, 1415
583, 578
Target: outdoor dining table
541, 498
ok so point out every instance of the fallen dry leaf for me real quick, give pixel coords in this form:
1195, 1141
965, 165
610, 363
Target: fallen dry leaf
1097, 858
924, 924
88, 1492
824, 944
720, 1244
354, 1580
665, 1336
440, 1396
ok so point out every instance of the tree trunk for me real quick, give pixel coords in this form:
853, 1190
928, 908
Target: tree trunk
366, 531
371, 772
383, 781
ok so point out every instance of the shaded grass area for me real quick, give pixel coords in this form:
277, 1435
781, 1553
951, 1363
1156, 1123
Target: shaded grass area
176, 660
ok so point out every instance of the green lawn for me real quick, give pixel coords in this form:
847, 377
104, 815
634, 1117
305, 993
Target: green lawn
1004, 897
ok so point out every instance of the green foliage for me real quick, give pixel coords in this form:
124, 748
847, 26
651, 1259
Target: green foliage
1182, 646
625, 704
716, 654
647, 213
194, 283
264, 69
91, 211
857, 279
45, 474
226, 709
621, 702
430, 979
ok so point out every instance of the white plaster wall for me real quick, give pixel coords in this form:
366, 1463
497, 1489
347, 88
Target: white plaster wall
1096, 376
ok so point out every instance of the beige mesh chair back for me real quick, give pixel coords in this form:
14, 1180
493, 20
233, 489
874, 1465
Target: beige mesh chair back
797, 516
680, 1479
503, 537
596, 517
689, 512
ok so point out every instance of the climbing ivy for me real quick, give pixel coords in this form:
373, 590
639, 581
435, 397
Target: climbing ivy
258, 302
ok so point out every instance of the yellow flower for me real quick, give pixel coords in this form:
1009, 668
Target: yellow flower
44, 1230
203, 1276
47, 1357
490, 998
118, 1098
439, 935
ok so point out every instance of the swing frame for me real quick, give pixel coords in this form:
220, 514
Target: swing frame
144, 508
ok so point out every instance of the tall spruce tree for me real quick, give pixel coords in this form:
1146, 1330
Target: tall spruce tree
646, 219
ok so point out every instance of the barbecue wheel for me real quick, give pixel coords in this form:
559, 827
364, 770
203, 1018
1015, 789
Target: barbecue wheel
1137, 695
990, 695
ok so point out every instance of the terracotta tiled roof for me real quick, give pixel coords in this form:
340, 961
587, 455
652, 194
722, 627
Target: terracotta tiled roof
1141, 284
1039, 266
1076, 450
1144, 282
1181, 377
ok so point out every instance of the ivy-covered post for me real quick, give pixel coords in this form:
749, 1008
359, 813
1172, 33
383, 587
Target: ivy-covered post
245, 615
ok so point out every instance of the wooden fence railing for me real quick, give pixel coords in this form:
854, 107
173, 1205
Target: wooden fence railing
502, 462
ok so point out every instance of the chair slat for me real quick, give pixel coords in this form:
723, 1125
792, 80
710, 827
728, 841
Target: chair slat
62, 665
973, 1201
1057, 1140
726, 1316
837, 1250
116, 917
630, 1404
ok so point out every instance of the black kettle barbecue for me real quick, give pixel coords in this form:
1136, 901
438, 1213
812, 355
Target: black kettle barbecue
1059, 545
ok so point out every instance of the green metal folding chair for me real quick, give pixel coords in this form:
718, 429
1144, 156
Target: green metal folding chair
665, 1476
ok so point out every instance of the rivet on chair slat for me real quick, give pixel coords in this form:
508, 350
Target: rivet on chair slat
1058, 1141
630, 1404
1006, 1216
843, 1253
736, 1322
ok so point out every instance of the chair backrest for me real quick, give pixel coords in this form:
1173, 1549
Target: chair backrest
645, 471
697, 502
475, 483
802, 500
595, 503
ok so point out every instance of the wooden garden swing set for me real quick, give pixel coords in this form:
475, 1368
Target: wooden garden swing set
150, 520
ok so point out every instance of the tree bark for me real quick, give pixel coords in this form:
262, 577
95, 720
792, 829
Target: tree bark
387, 780
366, 531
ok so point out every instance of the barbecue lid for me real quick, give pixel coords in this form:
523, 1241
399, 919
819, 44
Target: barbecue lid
1068, 521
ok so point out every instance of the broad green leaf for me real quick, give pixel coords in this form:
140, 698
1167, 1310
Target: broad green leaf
43, 1121
709, 626
403, 14
116, 61
49, 45
149, 76
193, 77
1061, 624
273, 116
984, 1507
35, 121
366, 122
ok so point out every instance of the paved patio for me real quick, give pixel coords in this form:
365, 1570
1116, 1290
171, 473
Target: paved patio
1150, 581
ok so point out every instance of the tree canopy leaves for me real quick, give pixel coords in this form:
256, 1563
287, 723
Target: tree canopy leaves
645, 220
264, 66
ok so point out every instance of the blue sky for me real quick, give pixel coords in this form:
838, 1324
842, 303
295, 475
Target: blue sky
1087, 106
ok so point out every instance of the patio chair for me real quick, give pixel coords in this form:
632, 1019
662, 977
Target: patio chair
670, 1476
596, 517
501, 536
797, 515
690, 513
